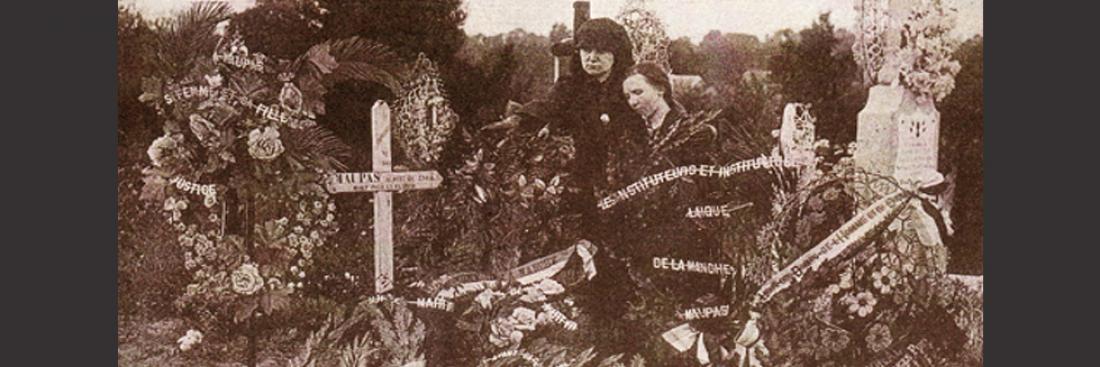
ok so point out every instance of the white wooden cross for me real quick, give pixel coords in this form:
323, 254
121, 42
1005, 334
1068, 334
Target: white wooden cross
382, 182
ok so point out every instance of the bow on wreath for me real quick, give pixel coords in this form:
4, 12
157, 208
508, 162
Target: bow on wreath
746, 349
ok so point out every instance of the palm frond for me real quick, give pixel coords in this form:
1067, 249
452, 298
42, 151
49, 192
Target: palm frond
186, 35
401, 334
363, 59
319, 141
367, 72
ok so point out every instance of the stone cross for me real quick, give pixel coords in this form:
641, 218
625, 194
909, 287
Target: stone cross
897, 135
382, 182
897, 141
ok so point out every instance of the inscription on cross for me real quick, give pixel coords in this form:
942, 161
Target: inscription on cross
382, 182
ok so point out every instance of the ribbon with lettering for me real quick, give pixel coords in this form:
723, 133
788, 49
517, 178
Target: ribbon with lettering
850, 237
549, 265
534, 361
437, 303
706, 312
693, 266
466, 288
705, 170
714, 211
272, 112
209, 191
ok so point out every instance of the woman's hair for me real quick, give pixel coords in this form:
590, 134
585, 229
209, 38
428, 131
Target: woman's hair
603, 34
656, 77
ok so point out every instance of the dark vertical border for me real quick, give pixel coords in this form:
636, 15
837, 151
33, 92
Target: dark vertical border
59, 133
1041, 147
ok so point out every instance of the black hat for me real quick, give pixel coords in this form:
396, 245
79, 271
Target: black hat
603, 34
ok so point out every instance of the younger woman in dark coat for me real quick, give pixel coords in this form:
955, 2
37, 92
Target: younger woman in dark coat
653, 222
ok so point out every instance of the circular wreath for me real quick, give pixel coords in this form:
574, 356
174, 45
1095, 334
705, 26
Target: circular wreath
888, 301
240, 170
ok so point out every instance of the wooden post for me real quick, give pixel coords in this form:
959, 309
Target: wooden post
557, 68
581, 14
383, 200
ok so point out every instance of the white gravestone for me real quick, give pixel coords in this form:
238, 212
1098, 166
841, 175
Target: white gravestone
897, 137
796, 134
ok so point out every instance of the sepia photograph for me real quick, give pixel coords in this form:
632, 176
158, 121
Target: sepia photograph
559, 183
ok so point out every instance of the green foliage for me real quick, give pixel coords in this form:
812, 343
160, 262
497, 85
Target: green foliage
282, 29
409, 27
364, 59
150, 267
530, 66
814, 66
875, 305
400, 333
501, 200
180, 40
545, 353
151, 273
684, 58
961, 152
728, 56
367, 335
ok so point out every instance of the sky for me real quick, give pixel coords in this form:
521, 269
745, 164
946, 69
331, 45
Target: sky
690, 18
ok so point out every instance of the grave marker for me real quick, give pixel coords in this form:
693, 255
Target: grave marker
918, 146
382, 182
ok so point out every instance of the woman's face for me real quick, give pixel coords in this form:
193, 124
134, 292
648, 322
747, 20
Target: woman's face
597, 63
643, 97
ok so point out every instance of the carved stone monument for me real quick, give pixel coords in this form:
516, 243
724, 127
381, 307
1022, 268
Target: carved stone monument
897, 137
897, 134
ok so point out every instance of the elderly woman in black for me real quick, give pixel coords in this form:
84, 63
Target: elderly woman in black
588, 105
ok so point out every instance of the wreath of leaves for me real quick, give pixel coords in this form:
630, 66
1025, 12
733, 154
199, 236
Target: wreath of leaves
421, 137
647, 33
877, 304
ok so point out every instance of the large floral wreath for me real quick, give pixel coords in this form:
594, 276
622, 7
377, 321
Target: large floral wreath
889, 301
241, 166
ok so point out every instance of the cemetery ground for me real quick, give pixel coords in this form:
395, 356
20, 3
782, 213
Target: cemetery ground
145, 340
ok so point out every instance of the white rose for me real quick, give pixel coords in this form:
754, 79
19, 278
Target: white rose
550, 287
246, 279
524, 318
162, 147
189, 340
264, 143
485, 299
214, 80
